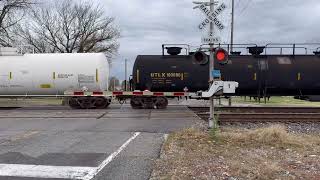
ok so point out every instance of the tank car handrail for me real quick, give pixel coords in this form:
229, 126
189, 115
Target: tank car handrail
293, 46
281, 49
187, 48
238, 46
228, 45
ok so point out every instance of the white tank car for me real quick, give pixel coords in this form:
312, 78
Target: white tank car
53, 74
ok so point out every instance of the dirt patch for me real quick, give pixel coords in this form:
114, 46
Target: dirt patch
267, 153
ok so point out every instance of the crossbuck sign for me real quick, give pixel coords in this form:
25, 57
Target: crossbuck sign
212, 16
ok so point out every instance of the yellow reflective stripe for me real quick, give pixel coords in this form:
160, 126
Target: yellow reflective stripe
97, 75
138, 76
299, 76
54, 75
45, 86
10, 75
255, 76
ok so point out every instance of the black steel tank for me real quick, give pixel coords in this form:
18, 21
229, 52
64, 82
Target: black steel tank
273, 75
258, 75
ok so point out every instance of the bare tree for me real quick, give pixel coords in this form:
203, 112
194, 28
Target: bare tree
70, 27
11, 13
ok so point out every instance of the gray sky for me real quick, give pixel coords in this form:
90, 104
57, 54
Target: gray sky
146, 24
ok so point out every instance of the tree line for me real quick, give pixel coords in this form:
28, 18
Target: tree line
64, 26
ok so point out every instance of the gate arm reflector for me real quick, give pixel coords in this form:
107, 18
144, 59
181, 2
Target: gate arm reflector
227, 87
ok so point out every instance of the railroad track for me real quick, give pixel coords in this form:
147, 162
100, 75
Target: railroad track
262, 114
260, 109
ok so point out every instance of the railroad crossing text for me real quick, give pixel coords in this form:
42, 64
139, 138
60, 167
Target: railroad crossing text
212, 16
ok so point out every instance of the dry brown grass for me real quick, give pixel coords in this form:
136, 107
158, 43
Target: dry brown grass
275, 135
268, 153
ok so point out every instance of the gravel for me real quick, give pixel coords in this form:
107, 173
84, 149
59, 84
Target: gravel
308, 128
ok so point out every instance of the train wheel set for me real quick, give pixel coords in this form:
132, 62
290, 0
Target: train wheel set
89, 102
149, 102
138, 99
104, 102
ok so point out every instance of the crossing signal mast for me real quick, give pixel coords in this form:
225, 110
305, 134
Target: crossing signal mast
212, 20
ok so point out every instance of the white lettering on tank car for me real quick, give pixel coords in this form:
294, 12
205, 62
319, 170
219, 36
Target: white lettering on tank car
64, 76
82, 78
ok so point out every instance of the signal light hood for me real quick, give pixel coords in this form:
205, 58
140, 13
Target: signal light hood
174, 50
317, 53
256, 50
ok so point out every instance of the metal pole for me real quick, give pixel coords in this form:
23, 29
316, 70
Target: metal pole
125, 80
212, 121
232, 26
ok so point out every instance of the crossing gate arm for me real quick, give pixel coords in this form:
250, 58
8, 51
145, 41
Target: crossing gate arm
129, 93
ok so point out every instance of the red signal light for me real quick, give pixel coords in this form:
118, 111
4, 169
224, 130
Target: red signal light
221, 56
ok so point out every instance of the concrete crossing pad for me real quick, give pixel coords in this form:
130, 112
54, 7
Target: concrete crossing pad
60, 143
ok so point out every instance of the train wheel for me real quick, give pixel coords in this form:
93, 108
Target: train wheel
73, 103
136, 103
149, 102
108, 102
161, 103
101, 103
86, 102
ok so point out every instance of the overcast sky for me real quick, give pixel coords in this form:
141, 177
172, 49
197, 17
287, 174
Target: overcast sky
145, 24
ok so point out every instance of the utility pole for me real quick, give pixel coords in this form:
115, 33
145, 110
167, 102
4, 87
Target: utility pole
212, 123
231, 41
125, 75
232, 26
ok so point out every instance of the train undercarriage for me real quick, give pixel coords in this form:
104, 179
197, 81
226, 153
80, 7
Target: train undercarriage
89, 102
143, 99
149, 102
103, 103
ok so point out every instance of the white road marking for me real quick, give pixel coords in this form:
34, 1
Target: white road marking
92, 174
166, 136
37, 171
60, 172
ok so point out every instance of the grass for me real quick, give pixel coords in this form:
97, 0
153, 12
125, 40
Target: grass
267, 153
276, 101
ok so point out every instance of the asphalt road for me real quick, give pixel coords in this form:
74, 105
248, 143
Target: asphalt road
60, 143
